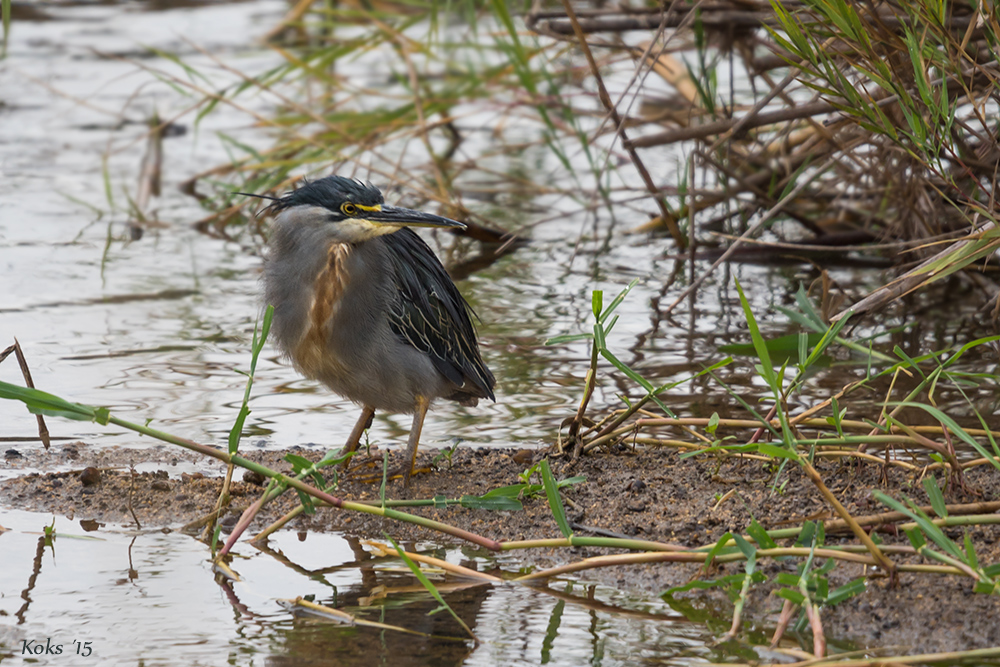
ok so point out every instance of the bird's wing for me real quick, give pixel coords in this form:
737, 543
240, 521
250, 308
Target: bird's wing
431, 315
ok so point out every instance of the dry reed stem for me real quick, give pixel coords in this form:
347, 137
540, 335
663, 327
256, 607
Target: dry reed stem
858, 531
22, 362
349, 619
384, 549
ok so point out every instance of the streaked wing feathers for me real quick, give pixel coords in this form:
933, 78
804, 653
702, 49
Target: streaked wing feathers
432, 316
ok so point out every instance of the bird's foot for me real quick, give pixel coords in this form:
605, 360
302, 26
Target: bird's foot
371, 472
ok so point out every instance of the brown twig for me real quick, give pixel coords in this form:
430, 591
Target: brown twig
858, 531
43, 431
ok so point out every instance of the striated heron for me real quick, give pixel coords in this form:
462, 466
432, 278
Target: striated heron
363, 305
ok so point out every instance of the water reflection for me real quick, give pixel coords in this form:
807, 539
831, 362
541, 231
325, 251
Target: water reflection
69, 589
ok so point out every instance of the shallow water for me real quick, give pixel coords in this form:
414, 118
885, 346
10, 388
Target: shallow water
156, 328
146, 597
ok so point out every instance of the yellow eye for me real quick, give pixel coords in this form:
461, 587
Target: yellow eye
349, 209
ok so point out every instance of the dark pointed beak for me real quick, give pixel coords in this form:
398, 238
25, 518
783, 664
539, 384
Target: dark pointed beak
405, 217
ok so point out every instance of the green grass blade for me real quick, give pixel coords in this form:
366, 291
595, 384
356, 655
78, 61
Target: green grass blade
953, 426
426, 583
555, 501
760, 345
935, 495
259, 338
924, 523
44, 403
617, 300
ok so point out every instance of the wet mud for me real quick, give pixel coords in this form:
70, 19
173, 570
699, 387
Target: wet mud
647, 494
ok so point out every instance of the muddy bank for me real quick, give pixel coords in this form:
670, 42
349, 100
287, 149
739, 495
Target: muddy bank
646, 494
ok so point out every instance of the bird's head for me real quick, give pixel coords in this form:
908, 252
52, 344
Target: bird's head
348, 211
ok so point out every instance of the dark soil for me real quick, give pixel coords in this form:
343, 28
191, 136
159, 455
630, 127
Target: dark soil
648, 494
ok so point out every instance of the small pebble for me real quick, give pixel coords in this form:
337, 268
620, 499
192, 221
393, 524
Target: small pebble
524, 456
637, 485
251, 477
90, 476
12, 454
160, 485
636, 506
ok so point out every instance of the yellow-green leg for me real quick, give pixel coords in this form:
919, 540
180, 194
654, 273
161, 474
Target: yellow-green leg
419, 412
364, 422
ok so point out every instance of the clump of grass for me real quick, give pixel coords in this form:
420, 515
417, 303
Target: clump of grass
776, 439
857, 128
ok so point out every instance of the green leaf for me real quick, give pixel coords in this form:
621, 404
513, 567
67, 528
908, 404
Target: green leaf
259, 338
924, 526
599, 341
426, 583
916, 538
333, 457
785, 345
848, 590
822, 587
307, 501
898, 351
713, 423
569, 338
788, 579
596, 302
43, 403
701, 585
237, 430
555, 500
766, 368
970, 552
805, 537
717, 549
760, 536
512, 491
632, 375
935, 496
299, 463
953, 426
493, 503
745, 547
793, 595
828, 337
571, 481
617, 301
777, 451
